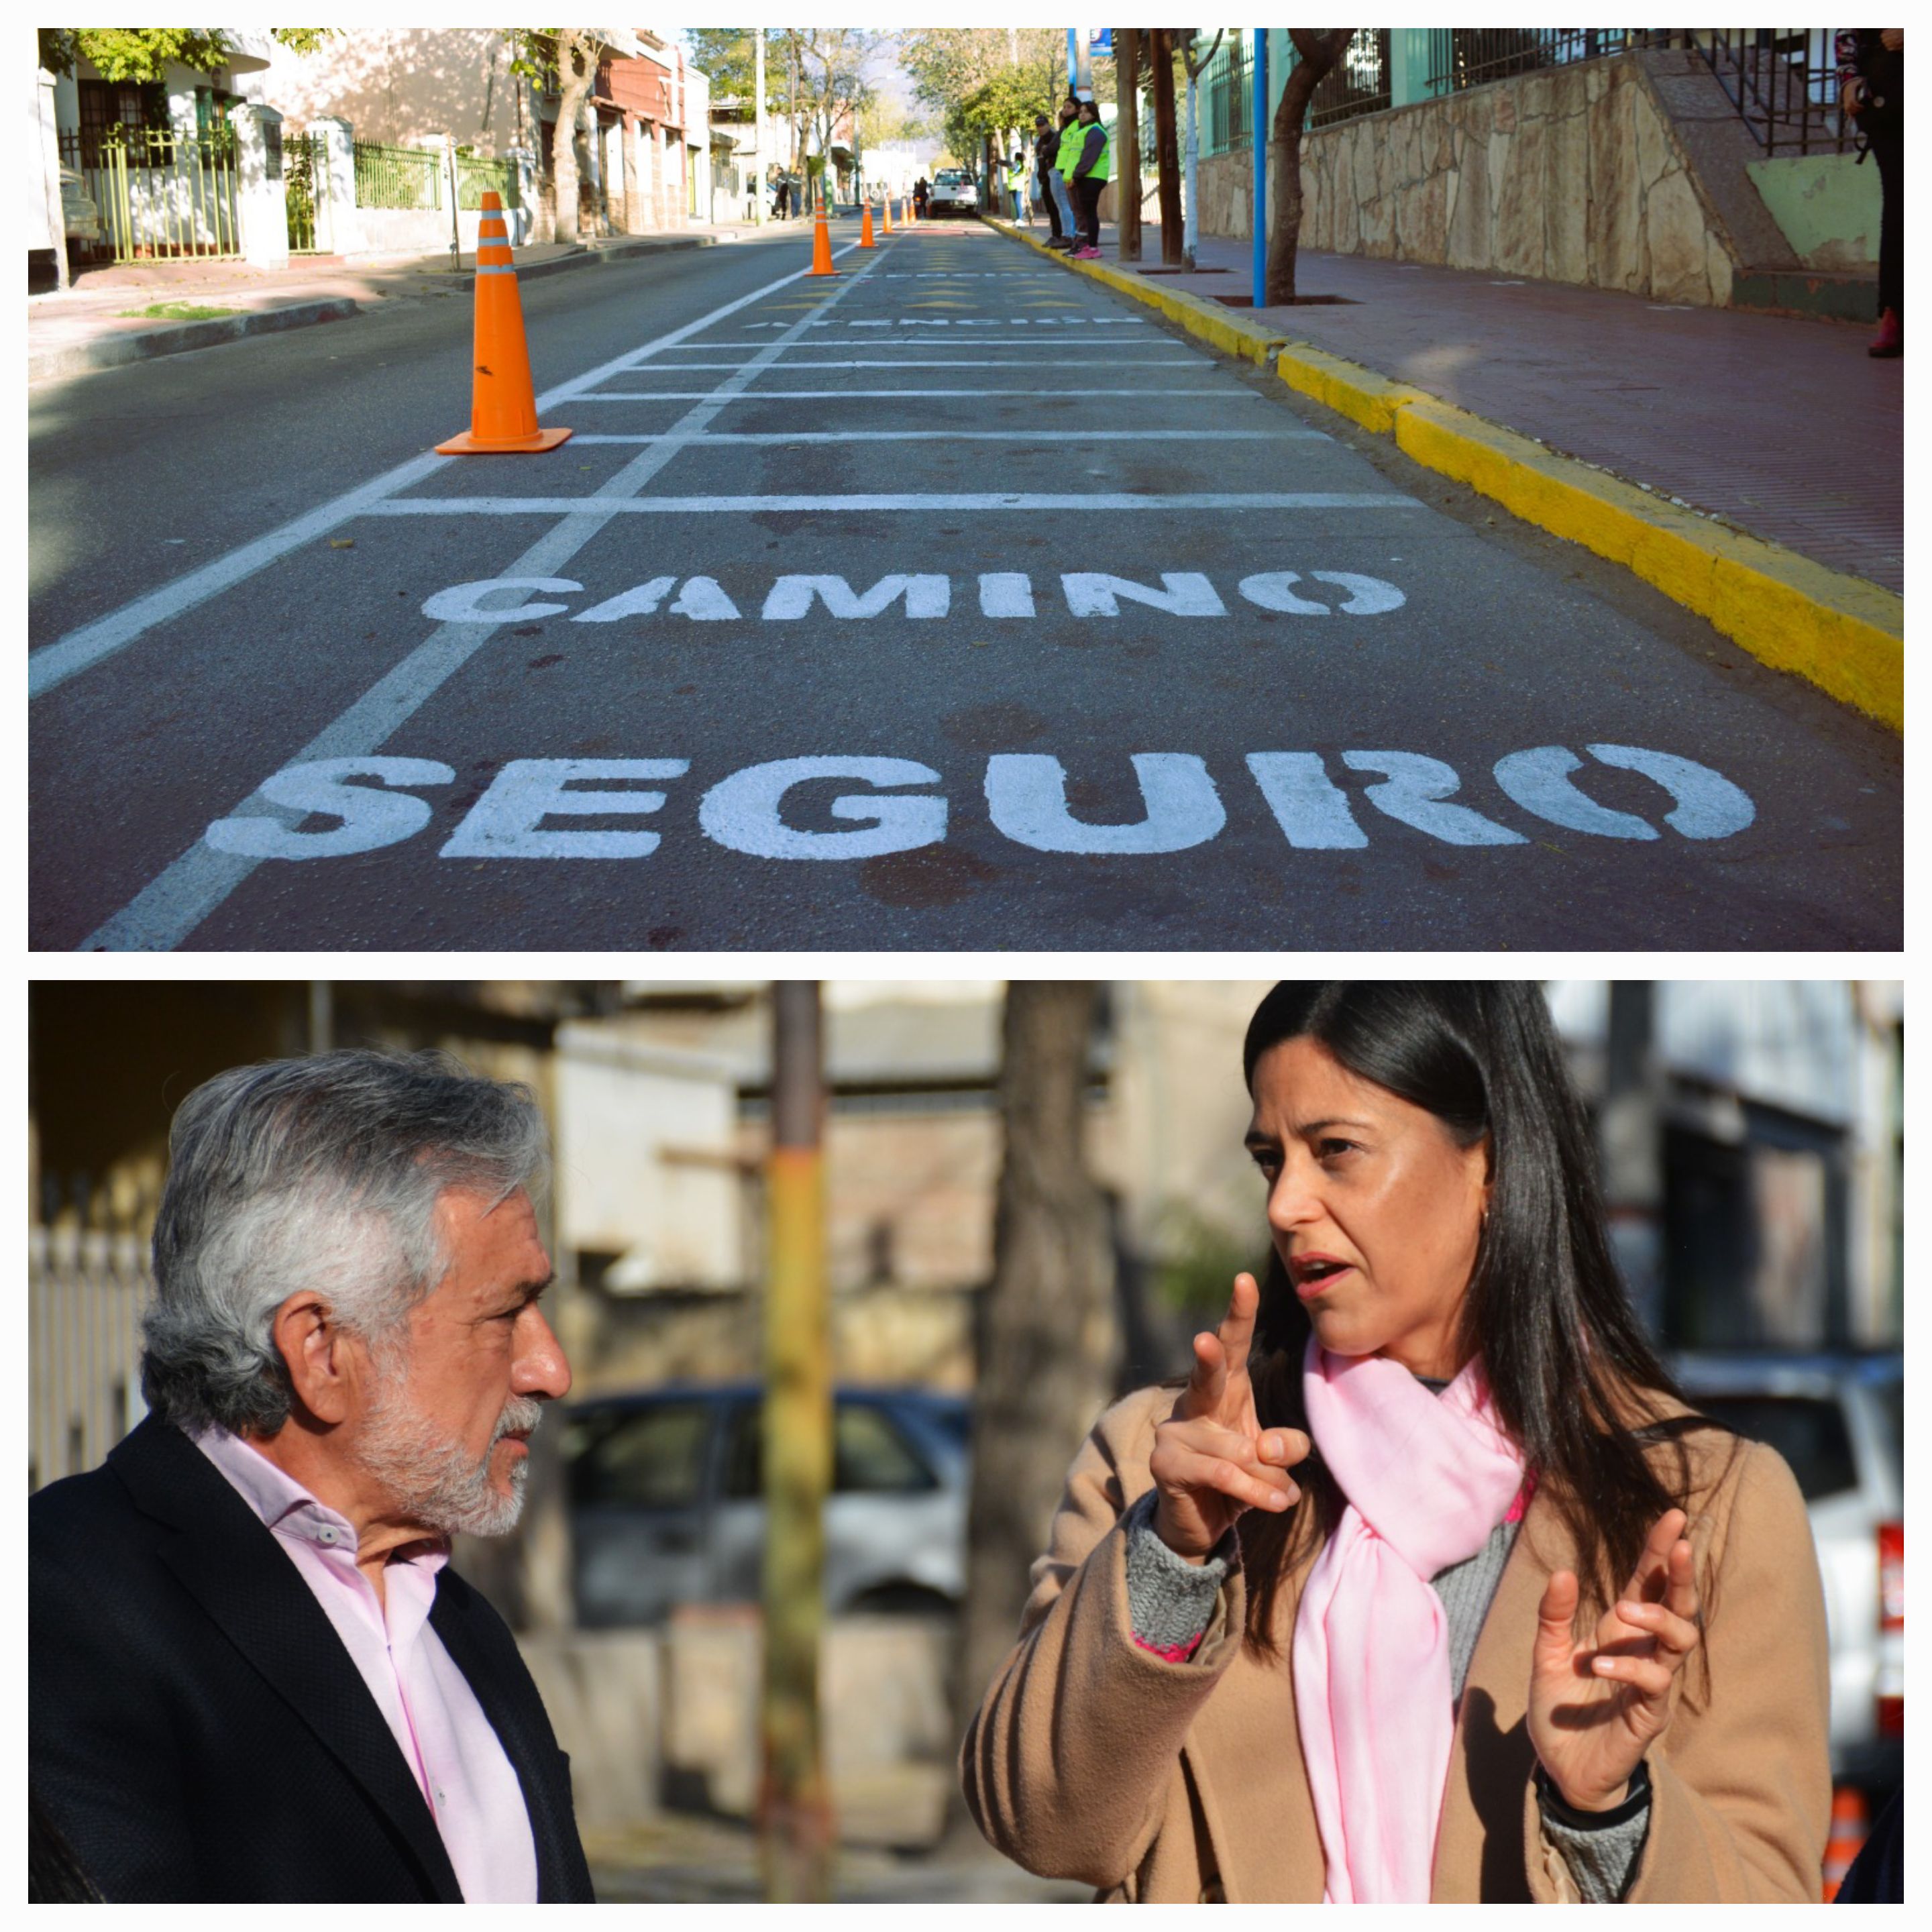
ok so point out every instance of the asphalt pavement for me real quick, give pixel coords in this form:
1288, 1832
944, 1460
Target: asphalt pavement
954, 603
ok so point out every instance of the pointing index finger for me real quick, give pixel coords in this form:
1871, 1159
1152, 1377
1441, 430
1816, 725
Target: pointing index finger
1237, 1331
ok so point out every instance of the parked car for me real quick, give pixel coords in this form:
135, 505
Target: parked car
666, 1508
953, 193
78, 215
1839, 1421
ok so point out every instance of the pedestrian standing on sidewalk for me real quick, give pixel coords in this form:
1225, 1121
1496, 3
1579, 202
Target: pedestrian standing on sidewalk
1046, 143
1016, 182
1519, 1624
785, 198
1066, 140
1871, 76
1092, 163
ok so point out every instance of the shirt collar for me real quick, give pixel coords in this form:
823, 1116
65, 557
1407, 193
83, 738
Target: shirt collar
283, 1505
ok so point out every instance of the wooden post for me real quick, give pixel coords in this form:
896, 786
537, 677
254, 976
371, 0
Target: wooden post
1167, 146
795, 1822
1127, 143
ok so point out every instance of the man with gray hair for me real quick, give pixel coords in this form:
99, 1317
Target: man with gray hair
252, 1675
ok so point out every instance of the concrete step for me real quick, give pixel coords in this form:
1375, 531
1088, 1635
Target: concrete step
1833, 295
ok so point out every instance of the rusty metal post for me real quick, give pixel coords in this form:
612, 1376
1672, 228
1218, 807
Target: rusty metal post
795, 1828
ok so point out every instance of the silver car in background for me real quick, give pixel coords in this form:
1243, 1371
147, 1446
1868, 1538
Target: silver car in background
1838, 1420
666, 1508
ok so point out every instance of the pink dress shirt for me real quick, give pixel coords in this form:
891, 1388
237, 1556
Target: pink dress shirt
451, 1748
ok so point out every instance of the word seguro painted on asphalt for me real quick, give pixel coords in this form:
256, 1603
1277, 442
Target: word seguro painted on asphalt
374, 801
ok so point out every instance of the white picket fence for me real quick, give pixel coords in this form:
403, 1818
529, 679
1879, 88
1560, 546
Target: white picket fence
85, 1295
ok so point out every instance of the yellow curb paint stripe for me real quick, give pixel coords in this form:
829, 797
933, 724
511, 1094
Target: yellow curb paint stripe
1843, 634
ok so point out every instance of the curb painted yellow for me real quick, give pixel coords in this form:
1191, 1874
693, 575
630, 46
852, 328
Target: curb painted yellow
1844, 634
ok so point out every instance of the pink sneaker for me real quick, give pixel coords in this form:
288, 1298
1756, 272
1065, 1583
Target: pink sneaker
1890, 340
1086, 254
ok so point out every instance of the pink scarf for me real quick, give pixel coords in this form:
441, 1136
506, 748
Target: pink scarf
1427, 1478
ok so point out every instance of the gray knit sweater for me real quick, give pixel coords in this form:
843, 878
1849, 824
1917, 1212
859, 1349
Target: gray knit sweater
1171, 1600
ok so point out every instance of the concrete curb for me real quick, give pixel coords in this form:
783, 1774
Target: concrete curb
1843, 634
622, 251
114, 352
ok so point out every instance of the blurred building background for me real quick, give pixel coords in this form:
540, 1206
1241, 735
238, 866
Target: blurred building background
1751, 1138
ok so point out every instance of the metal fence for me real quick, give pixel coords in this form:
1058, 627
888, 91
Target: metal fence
85, 1295
474, 175
1784, 82
305, 181
1227, 99
1461, 57
161, 194
406, 177
1358, 83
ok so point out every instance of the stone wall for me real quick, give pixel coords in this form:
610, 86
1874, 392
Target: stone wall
1572, 174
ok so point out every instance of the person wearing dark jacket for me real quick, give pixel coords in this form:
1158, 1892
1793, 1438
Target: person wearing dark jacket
1045, 145
252, 1675
1871, 71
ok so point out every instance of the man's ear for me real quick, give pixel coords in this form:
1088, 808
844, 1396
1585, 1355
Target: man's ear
318, 1353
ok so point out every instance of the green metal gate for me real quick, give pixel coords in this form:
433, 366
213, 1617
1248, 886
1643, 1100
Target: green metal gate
305, 177
165, 196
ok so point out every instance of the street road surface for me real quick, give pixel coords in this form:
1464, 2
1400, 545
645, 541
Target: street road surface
956, 603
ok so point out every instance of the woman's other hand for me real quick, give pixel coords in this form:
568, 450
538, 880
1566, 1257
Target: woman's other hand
1595, 1708
1212, 1460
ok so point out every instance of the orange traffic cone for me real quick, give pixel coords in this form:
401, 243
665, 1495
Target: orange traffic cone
865, 229
821, 246
502, 403
1851, 1823
887, 209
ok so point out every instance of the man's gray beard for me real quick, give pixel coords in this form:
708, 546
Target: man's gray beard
429, 1477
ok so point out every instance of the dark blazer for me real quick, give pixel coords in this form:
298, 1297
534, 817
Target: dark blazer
196, 1730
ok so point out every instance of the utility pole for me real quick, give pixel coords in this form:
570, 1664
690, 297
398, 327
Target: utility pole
795, 1822
758, 126
1127, 139
1630, 1132
1259, 111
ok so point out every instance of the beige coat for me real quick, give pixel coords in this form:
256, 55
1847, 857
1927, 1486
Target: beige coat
1093, 1760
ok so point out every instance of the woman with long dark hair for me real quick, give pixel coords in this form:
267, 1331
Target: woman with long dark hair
1427, 1584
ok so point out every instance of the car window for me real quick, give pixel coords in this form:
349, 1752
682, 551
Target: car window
873, 1458
1808, 1432
648, 1459
1890, 1397
870, 1454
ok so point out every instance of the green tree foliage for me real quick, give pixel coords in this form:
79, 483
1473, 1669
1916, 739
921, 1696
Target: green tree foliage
145, 53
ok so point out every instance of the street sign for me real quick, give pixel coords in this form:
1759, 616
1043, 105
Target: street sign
1100, 43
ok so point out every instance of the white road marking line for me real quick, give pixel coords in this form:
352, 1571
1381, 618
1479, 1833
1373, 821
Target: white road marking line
690, 506
821, 395
976, 362
54, 664
790, 436
171, 905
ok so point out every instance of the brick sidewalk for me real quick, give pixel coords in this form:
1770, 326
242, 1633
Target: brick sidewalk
1784, 427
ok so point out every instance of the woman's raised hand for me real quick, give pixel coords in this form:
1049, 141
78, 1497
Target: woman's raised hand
1595, 1708
1212, 1460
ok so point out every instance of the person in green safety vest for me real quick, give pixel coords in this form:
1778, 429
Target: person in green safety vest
1016, 186
1088, 173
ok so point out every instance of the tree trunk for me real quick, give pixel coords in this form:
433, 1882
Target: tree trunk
1127, 158
1319, 53
573, 48
1167, 145
1046, 1341
1193, 208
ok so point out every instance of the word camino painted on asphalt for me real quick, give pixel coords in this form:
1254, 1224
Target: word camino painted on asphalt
372, 803
1002, 593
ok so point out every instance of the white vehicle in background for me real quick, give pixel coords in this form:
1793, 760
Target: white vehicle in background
1838, 1420
953, 193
